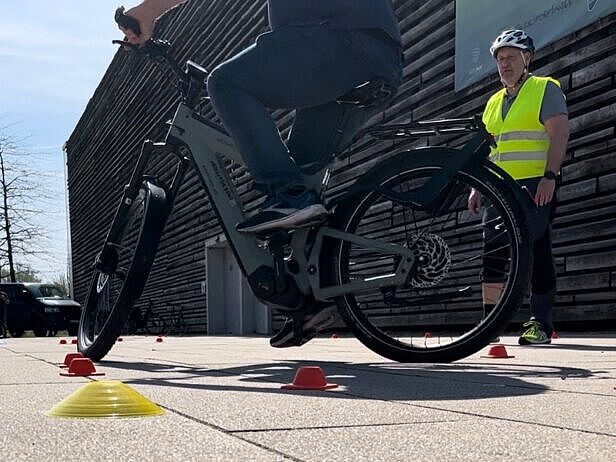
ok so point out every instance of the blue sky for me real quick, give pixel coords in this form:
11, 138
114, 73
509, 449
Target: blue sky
52, 57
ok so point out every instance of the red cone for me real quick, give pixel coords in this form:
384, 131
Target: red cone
334, 335
555, 335
497, 351
428, 335
74, 341
63, 341
159, 339
309, 378
69, 358
81, 367
120, 339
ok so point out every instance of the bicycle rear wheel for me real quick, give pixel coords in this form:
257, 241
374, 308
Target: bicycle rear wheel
115, 289
438, 315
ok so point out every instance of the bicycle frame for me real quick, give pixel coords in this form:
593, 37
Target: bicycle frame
209, 146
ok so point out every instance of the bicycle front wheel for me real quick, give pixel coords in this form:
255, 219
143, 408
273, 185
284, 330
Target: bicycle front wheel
115, 289
438, 315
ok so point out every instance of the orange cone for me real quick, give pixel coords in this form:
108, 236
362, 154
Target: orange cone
69, 358
309, 378
81, 367
555, 335
497, 351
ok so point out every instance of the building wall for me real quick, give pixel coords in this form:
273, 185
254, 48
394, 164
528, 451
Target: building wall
134, 99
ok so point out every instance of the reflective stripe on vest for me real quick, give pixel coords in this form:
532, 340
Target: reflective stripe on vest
522, 141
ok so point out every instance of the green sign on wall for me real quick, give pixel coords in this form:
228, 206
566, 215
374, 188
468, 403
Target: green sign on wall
478, 22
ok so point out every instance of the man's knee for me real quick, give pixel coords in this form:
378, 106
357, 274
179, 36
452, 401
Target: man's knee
219, 82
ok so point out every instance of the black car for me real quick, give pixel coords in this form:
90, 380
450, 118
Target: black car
43, 308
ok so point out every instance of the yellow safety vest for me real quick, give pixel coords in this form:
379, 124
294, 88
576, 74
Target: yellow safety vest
522, 142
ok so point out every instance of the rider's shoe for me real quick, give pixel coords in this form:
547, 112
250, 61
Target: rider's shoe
534, 334
313, 323
286, 210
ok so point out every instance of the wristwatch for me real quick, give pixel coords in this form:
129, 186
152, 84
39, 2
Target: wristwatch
550, 175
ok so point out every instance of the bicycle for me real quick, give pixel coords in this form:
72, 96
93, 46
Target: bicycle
175, 319
397, 254
145, 322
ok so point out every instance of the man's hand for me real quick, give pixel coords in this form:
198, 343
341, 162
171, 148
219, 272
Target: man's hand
146, 17
545, 192
474, 201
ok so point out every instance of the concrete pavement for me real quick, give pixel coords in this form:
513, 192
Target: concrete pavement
223, 402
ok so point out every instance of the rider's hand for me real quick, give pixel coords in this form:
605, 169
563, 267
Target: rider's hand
146, 18
474, 201
545, 192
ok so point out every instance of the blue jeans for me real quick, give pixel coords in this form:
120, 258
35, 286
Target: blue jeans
304, 68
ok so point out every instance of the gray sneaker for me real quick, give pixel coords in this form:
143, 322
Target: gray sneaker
286, 212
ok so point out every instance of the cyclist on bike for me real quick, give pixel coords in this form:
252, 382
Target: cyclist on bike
314, 52
528, 118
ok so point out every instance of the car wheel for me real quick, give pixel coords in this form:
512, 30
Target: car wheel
16, 332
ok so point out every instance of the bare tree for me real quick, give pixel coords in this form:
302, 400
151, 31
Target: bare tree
22, 197
62, 281
23, 273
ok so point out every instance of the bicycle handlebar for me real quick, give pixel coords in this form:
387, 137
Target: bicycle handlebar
158, 51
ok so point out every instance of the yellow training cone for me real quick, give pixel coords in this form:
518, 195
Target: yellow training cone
109, 398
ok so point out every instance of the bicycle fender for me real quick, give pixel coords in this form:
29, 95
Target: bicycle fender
450, 160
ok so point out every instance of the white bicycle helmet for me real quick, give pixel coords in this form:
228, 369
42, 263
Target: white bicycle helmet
512, 38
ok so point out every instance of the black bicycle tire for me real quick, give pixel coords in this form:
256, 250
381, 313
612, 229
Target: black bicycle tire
452, 352
156, 211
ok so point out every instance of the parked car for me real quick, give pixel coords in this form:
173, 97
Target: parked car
43, 308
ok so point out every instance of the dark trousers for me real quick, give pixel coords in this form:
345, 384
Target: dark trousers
543, 278
304, 68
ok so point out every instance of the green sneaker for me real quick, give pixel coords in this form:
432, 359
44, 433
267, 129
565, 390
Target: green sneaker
534, 334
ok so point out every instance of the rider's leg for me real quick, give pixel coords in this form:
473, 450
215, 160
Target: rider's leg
321, 131
292, 67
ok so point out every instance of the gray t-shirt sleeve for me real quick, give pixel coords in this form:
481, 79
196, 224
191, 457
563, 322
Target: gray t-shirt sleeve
554, 102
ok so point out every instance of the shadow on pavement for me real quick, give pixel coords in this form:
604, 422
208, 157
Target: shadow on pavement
387, 381
581, 347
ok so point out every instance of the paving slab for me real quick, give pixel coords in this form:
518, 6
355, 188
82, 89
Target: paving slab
467, 440
223, 401
34, 436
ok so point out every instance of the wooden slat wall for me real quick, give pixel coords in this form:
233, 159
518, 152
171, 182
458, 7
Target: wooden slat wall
134, 99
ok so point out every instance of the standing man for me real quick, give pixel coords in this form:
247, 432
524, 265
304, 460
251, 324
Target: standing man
315, 52
529, 121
